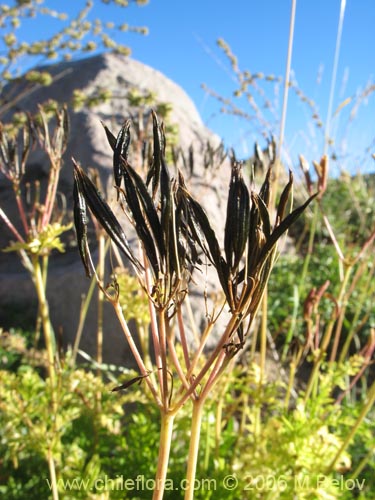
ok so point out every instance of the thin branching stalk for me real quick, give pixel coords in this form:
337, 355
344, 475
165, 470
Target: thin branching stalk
100, 271
11, 226
342, 303
177, 364
193, 326
181, 328
358, 306
52, 473
153, 325
198, 353
21, 211
134, 350
166, 431
310, 248
82, 318
46, 323
85, 308
50, 196
313, 378
314, 375
217, 353
195, 432
263, 339
163, 354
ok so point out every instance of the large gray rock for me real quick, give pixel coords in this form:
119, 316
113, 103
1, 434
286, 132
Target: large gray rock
67, 283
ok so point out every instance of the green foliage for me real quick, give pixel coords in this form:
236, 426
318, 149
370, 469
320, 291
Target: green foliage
48, 239
81, 100
348, 207
273, 451
85, 435
280, 452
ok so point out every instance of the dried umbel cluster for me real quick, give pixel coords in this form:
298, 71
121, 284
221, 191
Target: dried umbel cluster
39, 211
175, 232
175, 238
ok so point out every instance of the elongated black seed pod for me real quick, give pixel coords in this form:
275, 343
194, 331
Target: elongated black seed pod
80, 222
104, 214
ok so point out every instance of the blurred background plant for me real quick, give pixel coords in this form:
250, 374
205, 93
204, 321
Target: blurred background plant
82, 35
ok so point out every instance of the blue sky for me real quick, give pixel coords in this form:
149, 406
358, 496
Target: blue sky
182, 44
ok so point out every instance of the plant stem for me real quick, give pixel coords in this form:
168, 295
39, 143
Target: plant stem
370, 399
100, 271
45, 318
362, 464
51, 192
310, 248
195, 431
183, 340
365, 292
263, 340
82, 318
291, 378
166, 430
153, 324
11, 226
135, 352
52, 473
163, 354
216, 355
318, 361
21, 211
342, 303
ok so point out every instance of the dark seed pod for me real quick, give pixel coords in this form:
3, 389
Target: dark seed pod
265, 190
129, 383
284, 199
263, 214
110, 137
238, 219
120, 152
104, 214
199, 219
148, 208
140, 222
284, 226
159, 150
80, 223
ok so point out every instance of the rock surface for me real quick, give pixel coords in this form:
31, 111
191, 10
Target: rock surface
67, 282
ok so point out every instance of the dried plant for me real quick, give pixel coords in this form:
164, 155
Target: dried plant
176, 237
